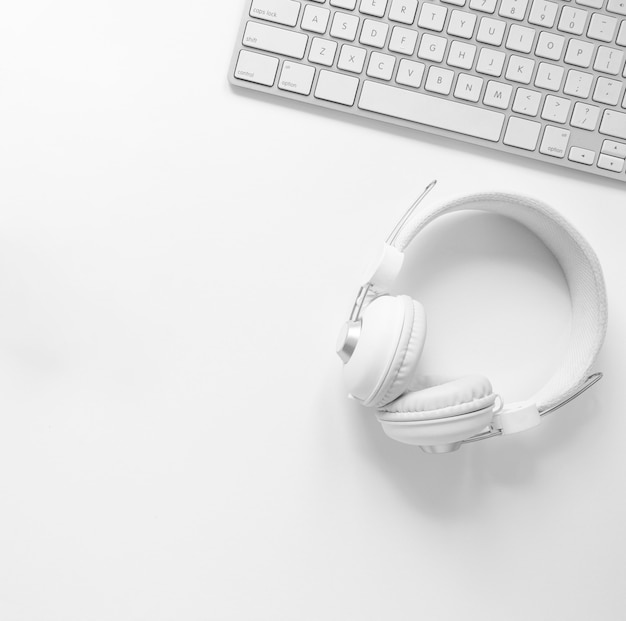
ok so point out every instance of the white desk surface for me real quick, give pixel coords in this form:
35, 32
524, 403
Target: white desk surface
176, 258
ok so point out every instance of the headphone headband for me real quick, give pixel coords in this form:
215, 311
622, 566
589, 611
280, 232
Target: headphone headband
577, 260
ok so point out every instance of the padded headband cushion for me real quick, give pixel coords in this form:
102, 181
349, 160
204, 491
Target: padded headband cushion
408, 352
580, 265
440, 400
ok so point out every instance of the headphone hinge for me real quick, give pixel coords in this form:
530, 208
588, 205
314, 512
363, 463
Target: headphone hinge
517, 417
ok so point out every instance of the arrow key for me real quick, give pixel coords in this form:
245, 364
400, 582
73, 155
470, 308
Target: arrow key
608, 162
582, 156
616, 149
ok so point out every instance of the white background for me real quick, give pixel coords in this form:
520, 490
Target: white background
176, 257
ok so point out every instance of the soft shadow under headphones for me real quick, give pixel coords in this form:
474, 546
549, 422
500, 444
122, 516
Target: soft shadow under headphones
382, 342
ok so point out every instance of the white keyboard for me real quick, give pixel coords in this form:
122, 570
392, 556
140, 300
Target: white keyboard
540, 78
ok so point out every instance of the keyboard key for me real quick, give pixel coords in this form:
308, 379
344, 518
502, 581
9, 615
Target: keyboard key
582, 156
579, 53
609, 60
592, 4
585, 116
520, 69
602, 27
572, 20
550, 45
549, 77
351, 58
490, 62
432, 17
257, 68
374, 33
432, 48
578, 84
554, 141
373, 7
462, 24
513, 9
277, 40
607, 91
322, 52
315, 19
403, 11
431, 111
491, 31
497, 95
543, 13
410, 73
526, 102
522, 134
621, 37
468, 87
403, 40
278, 11
461, 55
614, 164
520, 39
336, 87
296, 78
616, 6
344, 26
342, 4
486, 6
381, 66
555, 109
439, 80
613, 124
617, 149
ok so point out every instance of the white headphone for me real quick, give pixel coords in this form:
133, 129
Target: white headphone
381, 343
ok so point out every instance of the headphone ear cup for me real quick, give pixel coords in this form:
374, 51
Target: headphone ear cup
389, 347
442, 400
407, 356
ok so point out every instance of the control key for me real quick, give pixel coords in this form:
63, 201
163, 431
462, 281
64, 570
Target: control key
257, 68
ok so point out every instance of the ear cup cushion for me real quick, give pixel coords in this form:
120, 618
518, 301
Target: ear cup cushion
384, 330
406, 358
452, 398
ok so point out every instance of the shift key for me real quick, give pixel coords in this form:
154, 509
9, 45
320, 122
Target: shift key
276, 40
